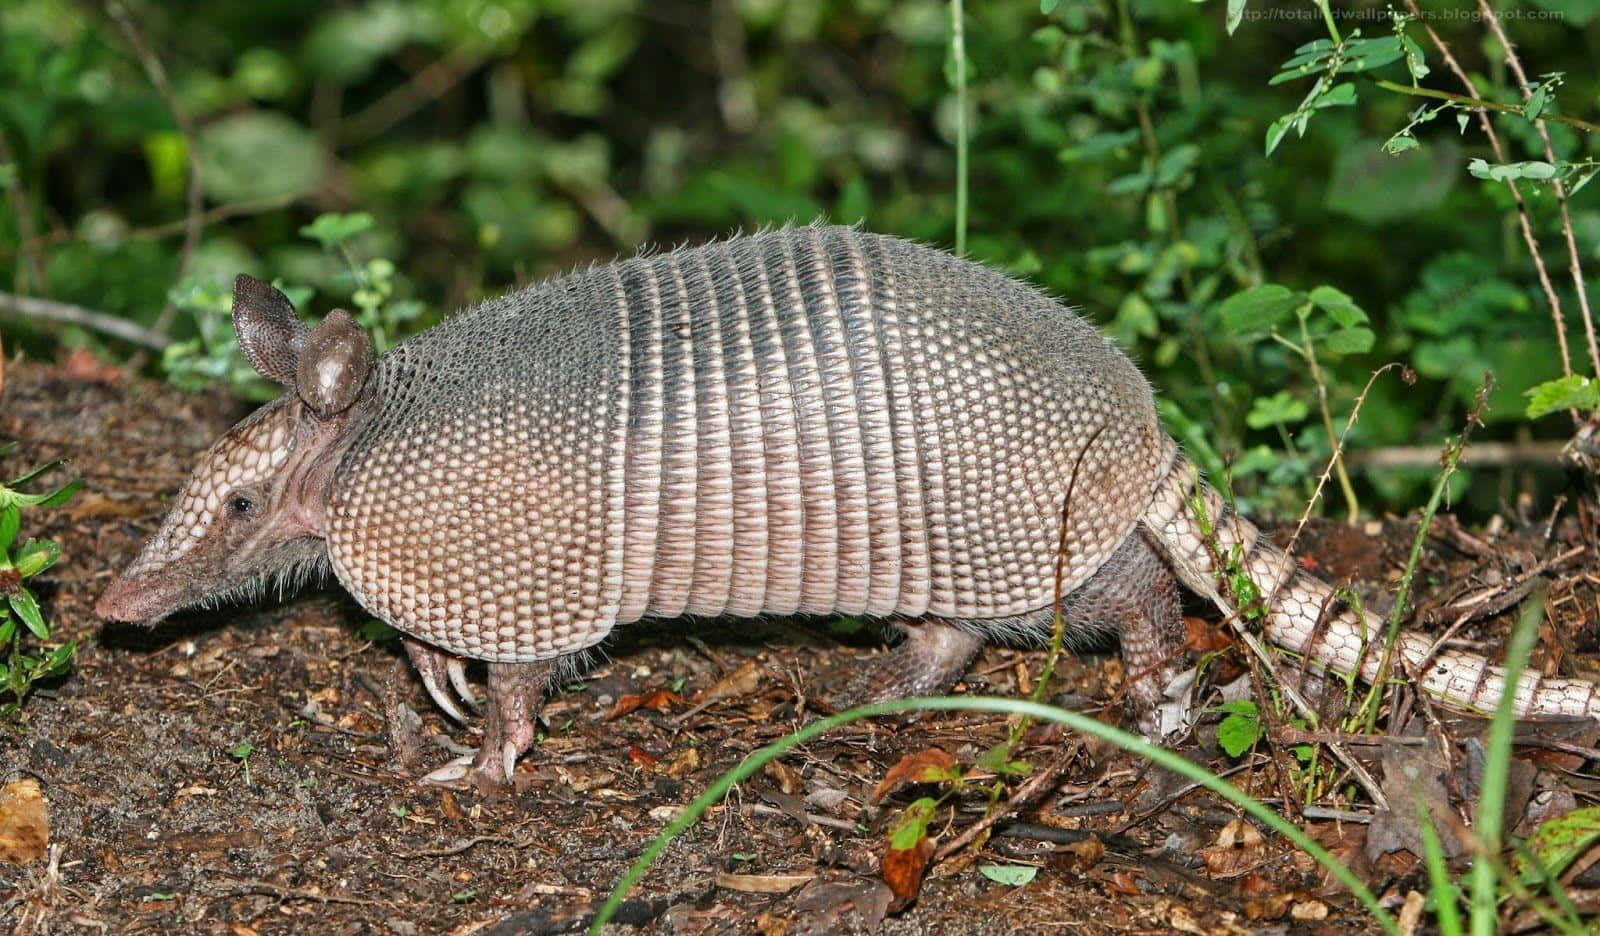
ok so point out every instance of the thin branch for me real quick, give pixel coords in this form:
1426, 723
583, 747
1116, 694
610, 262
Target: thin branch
1515, 62
195, 196
1477, 103
53, 311
1481, 455
19, 203
427, 85
1523, 219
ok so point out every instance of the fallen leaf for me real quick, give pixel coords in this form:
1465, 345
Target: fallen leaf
661, 701
785, 776
1413, 775
1238, 847
903, 868
1009, 875
684, 763
1309, 910
741, 681
81, 364
929, 765
24, 822
762, 883
641, 757
820, 906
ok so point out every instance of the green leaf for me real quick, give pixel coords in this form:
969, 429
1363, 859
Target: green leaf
1367, 54
26, 608
912, 826
1535, 169
242, 750
1401, 142
1535, 105
1559, 842
35, 556
1574, 392
10, 522
332, 228
997, 760
1258, 309
1339, 306
1277, 130
1235, 14
1280, 409
1416, 62
1349, 341
59, 659
256, 155
1010, 875
8, 630
1241, 729
24, 478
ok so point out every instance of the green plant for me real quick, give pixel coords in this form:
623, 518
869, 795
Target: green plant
21, 616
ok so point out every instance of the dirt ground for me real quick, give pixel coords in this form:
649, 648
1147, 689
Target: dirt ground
226, 772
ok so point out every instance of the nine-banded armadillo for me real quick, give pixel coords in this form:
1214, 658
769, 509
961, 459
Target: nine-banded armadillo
813, 420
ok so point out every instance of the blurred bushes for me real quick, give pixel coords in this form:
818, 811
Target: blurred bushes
1117, 159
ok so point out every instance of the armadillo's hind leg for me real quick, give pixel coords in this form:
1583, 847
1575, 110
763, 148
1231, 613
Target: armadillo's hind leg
931, 658
1136, 592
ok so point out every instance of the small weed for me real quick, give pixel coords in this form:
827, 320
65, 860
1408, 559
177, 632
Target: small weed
20, 615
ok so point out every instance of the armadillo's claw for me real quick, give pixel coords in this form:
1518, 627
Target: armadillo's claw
433, 666
456, 669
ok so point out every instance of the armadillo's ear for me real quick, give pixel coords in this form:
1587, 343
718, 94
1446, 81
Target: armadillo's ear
334, 364
270, 333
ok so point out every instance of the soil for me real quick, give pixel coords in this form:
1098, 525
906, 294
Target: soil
227, 771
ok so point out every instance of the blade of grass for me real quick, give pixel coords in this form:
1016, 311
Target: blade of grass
1484, 877
1440, 882
1169, 760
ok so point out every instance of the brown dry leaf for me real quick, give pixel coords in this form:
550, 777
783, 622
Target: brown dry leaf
24, 822
902, 869
1413, 775
92, 505
662, 700
1238, 847
1411, 912
929, 765
1085, 854
785, 777
1125, 882
1309, 910
641, 757
685, 763
762, 883
742, 681
81, 364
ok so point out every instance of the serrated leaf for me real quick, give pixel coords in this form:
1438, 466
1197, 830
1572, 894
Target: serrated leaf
1238, 733
1574, 392
1279, 409
26, 608
1339, 306
1009, 875
1349, 341
1257, 309
331, 229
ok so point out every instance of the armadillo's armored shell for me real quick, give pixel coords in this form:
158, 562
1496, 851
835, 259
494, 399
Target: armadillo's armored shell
816, 420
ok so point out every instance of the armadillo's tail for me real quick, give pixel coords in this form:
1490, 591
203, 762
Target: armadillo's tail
1214, 551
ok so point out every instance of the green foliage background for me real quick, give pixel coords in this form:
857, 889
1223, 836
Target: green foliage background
1117, 158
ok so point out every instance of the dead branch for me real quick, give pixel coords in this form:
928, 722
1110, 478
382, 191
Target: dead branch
53, 311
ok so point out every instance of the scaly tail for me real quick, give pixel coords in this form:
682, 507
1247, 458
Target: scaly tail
1306, 617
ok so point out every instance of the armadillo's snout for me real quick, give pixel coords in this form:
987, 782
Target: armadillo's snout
136, 598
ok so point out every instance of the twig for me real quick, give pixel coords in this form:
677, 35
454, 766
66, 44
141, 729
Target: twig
87, 318
1481, 455
1477, 103
1576, 267
1523, 220
1036, 785
459, 848
25, 233
195, 196
427, 85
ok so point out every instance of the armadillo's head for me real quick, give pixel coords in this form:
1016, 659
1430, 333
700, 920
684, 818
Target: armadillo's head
254, 509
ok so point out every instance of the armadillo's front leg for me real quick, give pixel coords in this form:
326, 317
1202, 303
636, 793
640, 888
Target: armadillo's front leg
436, 668
516, 694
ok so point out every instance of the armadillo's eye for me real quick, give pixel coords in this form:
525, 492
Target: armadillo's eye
241, 505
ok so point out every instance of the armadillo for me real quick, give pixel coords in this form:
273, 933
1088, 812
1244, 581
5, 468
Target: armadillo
813, 420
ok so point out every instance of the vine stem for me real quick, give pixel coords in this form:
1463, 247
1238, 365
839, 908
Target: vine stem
958, 51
